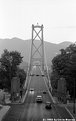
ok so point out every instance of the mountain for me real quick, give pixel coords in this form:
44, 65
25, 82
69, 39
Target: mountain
24, 47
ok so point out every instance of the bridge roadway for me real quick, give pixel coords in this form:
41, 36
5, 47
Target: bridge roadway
32, 111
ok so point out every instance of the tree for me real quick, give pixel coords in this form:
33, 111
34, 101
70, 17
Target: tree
54, 77
9, 63
60, 64
64, 65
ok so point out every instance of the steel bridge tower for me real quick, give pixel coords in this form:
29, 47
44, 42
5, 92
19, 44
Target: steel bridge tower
37, 54
37, 47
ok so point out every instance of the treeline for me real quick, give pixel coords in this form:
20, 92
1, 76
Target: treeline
64, 65
9, 68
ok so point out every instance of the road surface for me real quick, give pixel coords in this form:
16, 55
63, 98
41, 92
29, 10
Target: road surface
32, 111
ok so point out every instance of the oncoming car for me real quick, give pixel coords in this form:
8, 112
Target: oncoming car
39, 99
31, 91
44, 92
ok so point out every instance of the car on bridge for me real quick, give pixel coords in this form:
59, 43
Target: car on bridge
42, 75
44, 92
31, 89
39, 99
48, 105
37, 75
32, 74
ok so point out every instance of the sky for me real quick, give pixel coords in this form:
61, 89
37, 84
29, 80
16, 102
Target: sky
57, 16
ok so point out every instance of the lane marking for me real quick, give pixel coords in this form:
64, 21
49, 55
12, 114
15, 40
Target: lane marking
47, 88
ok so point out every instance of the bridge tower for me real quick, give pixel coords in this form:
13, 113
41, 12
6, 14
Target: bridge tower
37, 54
37, 47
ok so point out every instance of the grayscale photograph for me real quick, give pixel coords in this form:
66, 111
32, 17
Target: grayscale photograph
37, 60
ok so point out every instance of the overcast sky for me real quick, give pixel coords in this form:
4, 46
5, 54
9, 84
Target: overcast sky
57, 16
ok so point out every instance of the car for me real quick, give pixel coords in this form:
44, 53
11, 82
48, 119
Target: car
39, 99
48, 105
32, 74
31, 89
44, 92
42, 75
37, 75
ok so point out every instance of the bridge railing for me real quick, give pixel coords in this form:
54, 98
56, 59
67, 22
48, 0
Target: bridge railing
26, 81
48, 78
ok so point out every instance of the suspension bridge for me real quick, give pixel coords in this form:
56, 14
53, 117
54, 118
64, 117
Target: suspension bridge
37, 84
37, 56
